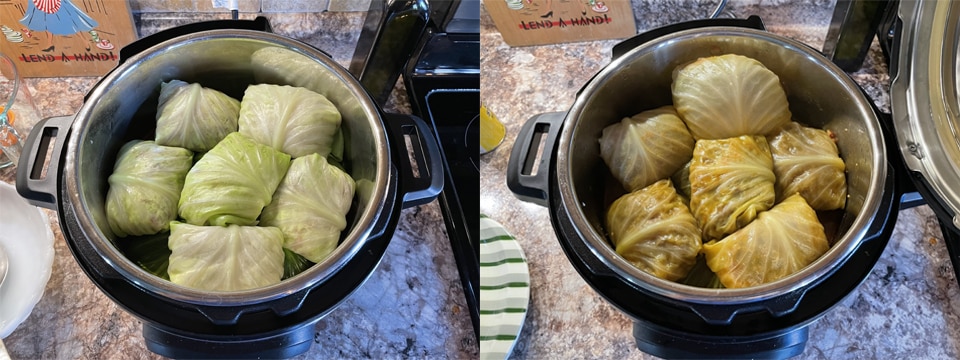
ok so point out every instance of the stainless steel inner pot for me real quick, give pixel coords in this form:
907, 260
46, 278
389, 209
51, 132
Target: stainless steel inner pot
122, 107
820, 95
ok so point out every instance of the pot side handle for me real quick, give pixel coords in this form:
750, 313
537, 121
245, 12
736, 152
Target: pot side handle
421, 167
527, 178
35, 182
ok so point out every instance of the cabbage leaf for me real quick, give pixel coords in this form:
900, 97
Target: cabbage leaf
310, 207
150, 252
230, 258
646, 147
728, 96
653, 229
702, 276
806, 162
781, 242
731, 181
145, 187
194, 117
681, 180
277, 65
294, 263
294, 120
232, 183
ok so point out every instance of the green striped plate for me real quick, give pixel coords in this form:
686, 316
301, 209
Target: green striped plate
504, 290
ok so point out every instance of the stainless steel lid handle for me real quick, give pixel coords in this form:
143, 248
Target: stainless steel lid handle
36, 179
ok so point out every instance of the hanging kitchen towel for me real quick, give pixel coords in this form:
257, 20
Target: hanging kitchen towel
537, 22
49, 38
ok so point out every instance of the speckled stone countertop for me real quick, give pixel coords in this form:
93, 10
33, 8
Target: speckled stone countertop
908, 307
411, 306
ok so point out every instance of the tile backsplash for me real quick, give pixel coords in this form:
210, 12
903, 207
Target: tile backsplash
250, 6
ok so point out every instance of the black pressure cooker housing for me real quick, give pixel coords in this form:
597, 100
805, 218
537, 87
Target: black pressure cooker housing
769, 325
276, 325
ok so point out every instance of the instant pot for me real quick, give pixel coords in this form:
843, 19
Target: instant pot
889, 158
274, 321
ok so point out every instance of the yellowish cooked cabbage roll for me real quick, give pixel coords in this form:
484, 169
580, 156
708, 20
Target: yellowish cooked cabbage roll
646, 147
731, 180
806, 162
729, 95
653, 229
782, 241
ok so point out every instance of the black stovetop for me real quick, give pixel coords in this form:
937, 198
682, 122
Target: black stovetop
444, 86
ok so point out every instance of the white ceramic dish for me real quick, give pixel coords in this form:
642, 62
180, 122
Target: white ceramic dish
504, 290
25, 234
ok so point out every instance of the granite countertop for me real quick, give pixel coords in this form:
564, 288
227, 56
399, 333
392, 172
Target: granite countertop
906, 308
411, 306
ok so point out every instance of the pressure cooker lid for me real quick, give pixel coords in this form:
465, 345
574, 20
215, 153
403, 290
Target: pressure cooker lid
924, 99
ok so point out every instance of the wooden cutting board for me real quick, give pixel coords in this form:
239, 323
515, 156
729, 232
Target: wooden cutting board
51, 38
537, 22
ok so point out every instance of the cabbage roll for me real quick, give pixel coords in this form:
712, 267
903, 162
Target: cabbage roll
232, 182
731, 180
225, 258
653, 229
145, 187
646, 147
728, 96
293, 120
310, 207
782, 241
276, 65
194, 117
806, 162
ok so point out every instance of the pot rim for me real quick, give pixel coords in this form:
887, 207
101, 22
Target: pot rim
598, 244
358, 234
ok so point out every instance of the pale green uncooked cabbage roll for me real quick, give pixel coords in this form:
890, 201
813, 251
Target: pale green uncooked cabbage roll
779, 243
232, 182
731, 181
294, 120
646, 147
806, 162
145, 187
276, 65
194, 117
653, 229
310, 207
728, 96
225, 258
